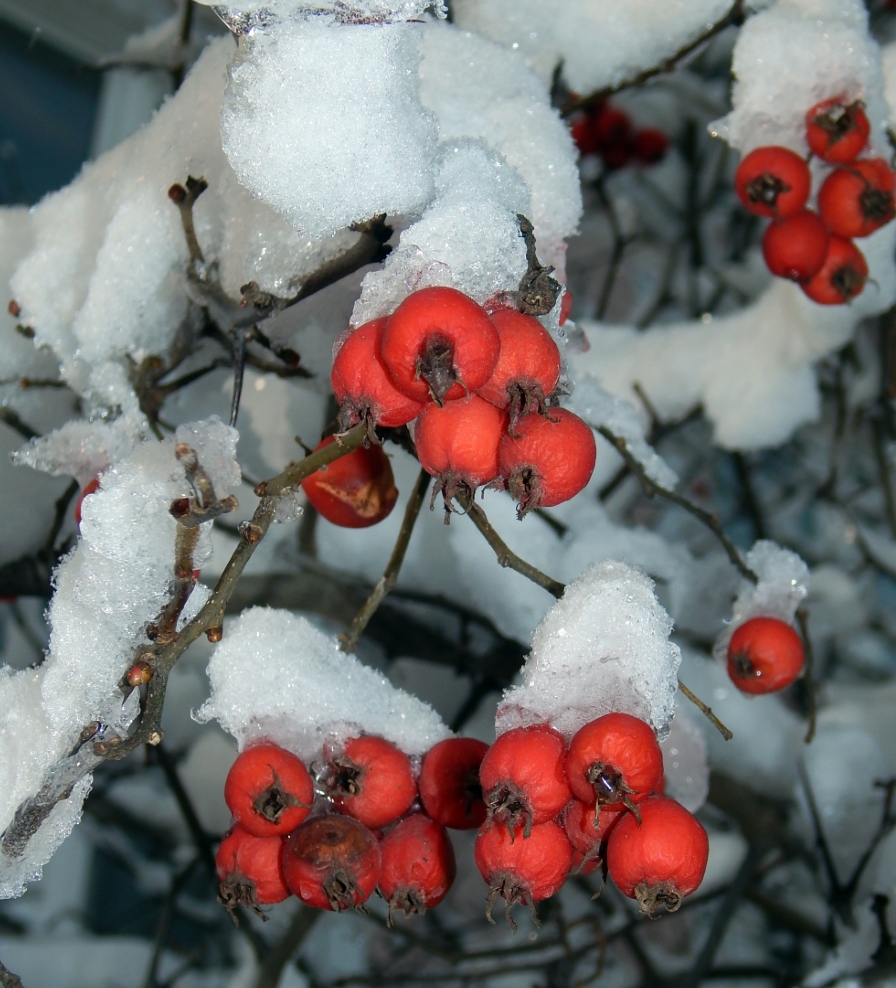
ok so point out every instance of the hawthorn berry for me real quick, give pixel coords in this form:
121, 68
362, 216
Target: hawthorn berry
614, 759
524, 779
439, 344
857, 199
837, 131
660, 859
332, 862
612, 129
418, 865
547, 459
796, 247
842, 276
650, 145
773, 181
268, 790
457, 443
356, 491
371, 780
90, 488
764, 655
528, 368
586, 829
362, 385
250, 870
522, 871
449, 783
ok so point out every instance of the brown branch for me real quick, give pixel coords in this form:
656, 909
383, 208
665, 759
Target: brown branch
8, 979
185, 199
706, 711
12, 419
277, 957
802, 616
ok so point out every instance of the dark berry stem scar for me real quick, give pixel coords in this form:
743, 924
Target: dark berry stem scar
766, 188
435, 365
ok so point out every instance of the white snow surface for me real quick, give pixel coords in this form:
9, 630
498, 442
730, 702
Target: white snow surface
250, 15
276, 676
685, 766
603, 647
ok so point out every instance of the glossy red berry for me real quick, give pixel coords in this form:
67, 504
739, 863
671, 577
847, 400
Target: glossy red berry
547, 459
524, 779
268, 790
773, 181
439, 344
362, 385
661, 859
356, 491
528, 368
250, 870
418, 865
449, 783
457, 444
91, 488
522, 871
332, 862
614, 759
764, 655
796, 247
650, 145
586, 829
856, 200
371, 780
837, 131
842, 276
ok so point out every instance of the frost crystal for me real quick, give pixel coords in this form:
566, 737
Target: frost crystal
603, 647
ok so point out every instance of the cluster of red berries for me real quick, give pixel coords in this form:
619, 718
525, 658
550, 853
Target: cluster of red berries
856, 198
608, 132
545, 810
764, 655
479, 384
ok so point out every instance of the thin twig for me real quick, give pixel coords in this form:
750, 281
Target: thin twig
706, 711
802, 616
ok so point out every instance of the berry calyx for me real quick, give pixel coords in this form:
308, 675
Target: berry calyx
268, 790
764, 655
547, 460
837, 131
332, 862
356, 491
858, 199
457, 444
660, 860
522, 871
250, 871
90, 488
614, 759
796, 247
439, 344
449, 784
371, 780
418, 866
523, 778
773, 181
842, 276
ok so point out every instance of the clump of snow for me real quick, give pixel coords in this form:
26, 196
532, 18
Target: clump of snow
79, 449
685, 767
249, 15
603, 647
278, 677
597, 407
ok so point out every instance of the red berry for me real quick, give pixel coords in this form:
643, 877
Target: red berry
583, 135
90, 488
522, 871
439, 344
837, 131
528, 368
268, 790
458, 444
418, 865
650, 145
857, 200
332, 862
523, 778
356, 491
548, 459
615, 759
616, 156
371, 780
362, 385
449, 783
565, 307
796, 247
661, 859
612, 128
764, 655
842, 276
773, 181
250, 870
586, 829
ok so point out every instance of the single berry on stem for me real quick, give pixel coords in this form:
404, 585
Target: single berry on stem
355, 491
773, 181
796, 247
418, 865
268, 790
842, 276
764, 655
837, 131
857, 199
332, 862
449, 784
250, 870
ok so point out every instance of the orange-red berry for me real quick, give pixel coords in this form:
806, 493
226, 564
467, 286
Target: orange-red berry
249, 869
418, 865
356, 491
837, 131
449, 784
764, 655
268, 790
773, 181
858, 199
842, 276
796, 247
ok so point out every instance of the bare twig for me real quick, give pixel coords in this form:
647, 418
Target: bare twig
8, 979
14, 421
184, 197
706, 711
802, 616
